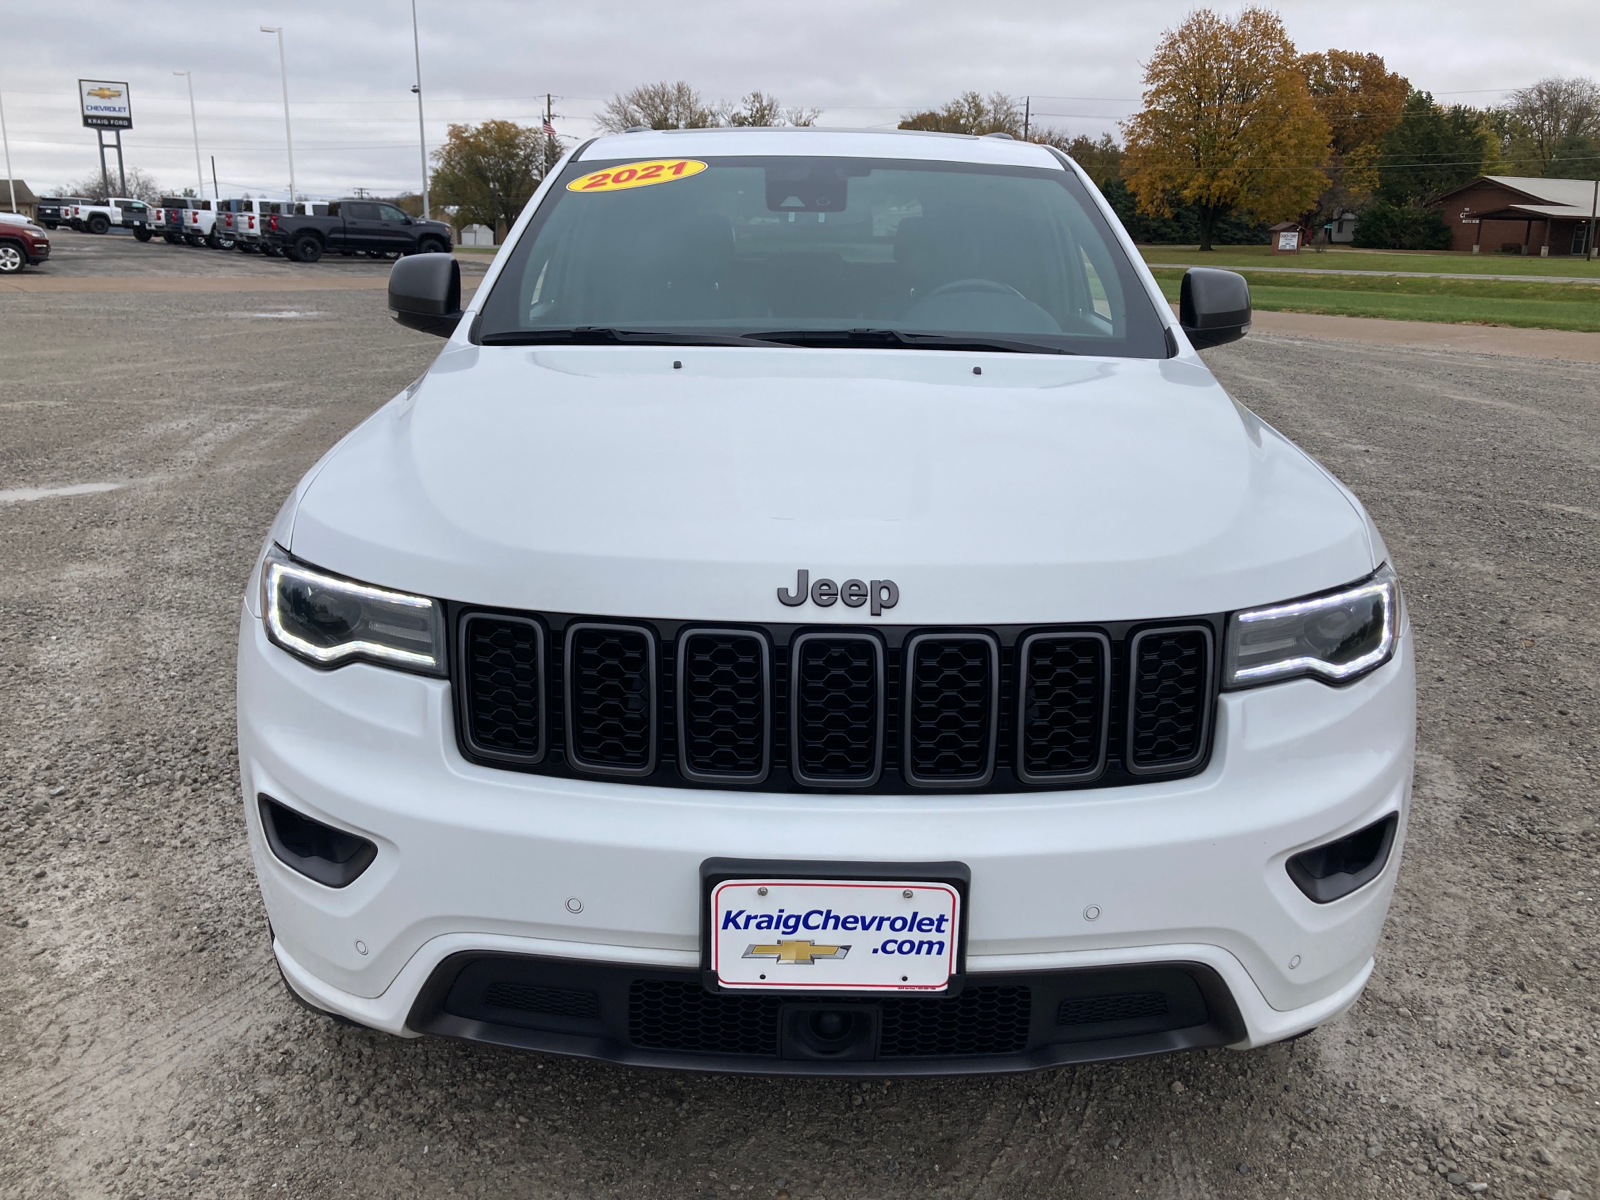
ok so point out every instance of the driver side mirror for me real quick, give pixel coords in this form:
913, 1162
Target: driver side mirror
1214, 306
425, 293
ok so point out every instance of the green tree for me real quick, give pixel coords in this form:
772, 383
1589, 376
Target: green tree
487, 172
1361, 100
1551, 126
1431, 150
1228, 124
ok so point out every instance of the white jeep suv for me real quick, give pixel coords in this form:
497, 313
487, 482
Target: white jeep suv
818, 613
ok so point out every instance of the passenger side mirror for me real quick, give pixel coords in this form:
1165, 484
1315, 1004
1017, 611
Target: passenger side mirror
425, 293
1214, 306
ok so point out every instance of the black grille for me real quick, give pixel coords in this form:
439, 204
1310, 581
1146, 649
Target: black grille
724, 722
666, 1014
792, 708
952, 693
837, 709
555, 1002
1093, 1010
504, 716
981, 1020
1064, 706
611, 698
1169, 706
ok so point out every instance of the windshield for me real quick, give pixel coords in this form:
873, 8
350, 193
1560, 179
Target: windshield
823, 251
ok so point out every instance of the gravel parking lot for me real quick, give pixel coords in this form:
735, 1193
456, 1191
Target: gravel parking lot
147, 1048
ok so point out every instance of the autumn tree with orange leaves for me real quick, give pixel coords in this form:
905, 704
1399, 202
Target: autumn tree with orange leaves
1361, 99
1228, 124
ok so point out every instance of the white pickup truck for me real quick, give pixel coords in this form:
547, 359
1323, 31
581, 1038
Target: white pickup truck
200, 226
100, 217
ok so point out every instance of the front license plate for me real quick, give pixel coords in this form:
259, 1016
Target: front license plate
822, 935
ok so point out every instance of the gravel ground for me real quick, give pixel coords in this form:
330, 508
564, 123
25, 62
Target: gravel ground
147, 1048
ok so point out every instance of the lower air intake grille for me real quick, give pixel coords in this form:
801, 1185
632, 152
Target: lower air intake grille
837, 709
1169, 708
611, 698
673, 1015
981, 1020
1094, 1010
723, 720
1065, 704
555, 1002
504, 661
952, 689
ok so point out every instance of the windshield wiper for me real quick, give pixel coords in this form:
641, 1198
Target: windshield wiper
605, 335
897, 339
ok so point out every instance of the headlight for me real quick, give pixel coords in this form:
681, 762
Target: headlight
1337, 636
329, 621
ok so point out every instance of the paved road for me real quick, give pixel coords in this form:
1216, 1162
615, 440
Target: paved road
147, 1049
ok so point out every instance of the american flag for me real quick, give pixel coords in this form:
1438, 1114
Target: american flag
549, 129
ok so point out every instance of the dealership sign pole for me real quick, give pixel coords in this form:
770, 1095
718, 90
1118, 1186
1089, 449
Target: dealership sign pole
106, 105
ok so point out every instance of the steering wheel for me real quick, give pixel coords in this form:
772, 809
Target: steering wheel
991, 286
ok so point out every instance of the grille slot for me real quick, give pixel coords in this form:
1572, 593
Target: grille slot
1064, 702
1169, 699
724, 712
1095, 1010
836, 709
554, 1002
951, 709
611, 698
503, 662
668, 1014
991, 1019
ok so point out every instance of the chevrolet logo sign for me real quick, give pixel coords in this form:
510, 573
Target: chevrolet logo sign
105, 93
804, 953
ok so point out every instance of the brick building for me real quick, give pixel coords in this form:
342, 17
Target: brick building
1497, 213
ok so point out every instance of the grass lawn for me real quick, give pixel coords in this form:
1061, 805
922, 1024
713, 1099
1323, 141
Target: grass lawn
1422, 298
1236, 257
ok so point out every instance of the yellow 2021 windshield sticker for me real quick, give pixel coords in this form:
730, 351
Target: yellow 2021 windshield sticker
639, 174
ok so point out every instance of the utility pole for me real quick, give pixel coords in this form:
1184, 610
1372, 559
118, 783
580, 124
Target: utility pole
216, 191
422, 130
194, 123
1594, 211
1027, 112
288, 135
6, 139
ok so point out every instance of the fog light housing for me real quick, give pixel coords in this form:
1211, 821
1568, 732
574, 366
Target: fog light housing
333, 857
1332, 871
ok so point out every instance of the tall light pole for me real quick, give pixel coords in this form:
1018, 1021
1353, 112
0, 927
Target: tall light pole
6, 139
194, 123
422, 131
288, 136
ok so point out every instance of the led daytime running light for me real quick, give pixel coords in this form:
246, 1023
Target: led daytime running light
1383, 588
330, 654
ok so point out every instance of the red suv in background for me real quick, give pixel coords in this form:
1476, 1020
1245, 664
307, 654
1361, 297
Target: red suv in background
22, 243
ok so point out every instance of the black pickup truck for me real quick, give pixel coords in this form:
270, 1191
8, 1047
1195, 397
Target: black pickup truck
356, 227
48, 213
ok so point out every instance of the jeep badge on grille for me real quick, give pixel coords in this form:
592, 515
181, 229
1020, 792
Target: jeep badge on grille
824, 593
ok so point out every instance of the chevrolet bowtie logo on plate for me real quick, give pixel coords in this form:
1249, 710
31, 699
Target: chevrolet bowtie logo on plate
804, 953
105, 93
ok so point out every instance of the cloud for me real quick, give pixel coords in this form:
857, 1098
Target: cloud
864, 63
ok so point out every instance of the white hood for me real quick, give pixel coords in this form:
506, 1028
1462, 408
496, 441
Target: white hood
607, 481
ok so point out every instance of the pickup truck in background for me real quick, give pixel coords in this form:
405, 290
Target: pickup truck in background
356, 227
200, 226
169, 218
100, 217
48, 213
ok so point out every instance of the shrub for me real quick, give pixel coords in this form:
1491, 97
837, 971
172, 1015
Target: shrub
1401, 227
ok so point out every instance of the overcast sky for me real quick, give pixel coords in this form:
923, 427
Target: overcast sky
864, 62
